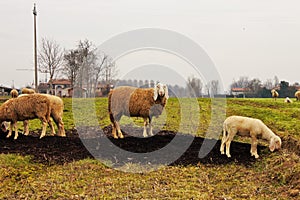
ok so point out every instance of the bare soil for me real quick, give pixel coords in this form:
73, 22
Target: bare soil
54, 150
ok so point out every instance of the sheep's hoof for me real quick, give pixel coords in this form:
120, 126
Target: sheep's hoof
121, 136
15, 138
222, 152
228, 155
116, 137
255, 155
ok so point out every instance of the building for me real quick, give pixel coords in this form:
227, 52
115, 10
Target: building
239, 92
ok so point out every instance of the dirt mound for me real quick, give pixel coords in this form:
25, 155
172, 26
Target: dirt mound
52, 150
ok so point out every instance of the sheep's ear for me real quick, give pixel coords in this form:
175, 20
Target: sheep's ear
166, 91
155, 93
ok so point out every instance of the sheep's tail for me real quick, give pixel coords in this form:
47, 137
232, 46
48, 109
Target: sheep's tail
111, 117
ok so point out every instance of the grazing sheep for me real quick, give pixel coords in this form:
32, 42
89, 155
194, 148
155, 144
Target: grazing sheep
245, 126
297, 95
288, 100
24, 108
28, 91
56, 112
274, 94
136, 102
14, 93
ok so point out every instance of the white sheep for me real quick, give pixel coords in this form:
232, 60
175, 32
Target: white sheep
136, 102
288, 100
297, 95
250, 127
24, 108
274, 94
14, 93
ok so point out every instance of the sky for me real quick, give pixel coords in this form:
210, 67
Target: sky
253, 38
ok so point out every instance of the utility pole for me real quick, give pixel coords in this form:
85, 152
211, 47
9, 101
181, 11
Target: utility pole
35, 51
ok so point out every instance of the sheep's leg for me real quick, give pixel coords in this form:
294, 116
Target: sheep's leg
228, 148
51, 127
253, 149
223, 143
26, 127
61, 129
16, 130
228, 141
60, 125
114, 131
119, 130
150, 127
145, 127
44, 122
10, 129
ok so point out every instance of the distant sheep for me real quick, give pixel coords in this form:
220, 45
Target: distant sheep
14, 93
136, 102
274, 94
297, 95
245, 126
288, 100
24, 108
28, 91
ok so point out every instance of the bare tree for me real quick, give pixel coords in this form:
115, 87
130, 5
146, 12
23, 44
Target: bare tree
254, 85
243, 82
208, 88
195, 86
50, 59
269, 84
276, 81
214, 84
72, 65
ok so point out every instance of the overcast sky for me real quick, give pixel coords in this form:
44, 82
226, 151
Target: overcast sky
254, 38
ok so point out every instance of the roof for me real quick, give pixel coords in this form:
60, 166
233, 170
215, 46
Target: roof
239, 89
61, 82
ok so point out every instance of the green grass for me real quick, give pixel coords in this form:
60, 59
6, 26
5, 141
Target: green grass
274, 176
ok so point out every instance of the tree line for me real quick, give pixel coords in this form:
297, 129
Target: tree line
258, 89
85, 66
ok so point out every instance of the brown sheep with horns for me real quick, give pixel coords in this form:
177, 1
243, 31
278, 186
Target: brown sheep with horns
136, 102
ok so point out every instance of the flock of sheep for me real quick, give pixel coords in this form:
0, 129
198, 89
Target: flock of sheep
275, 95
31, 105
132, 102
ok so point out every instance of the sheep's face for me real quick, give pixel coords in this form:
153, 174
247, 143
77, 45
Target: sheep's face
275, 143
160, 90
4, 126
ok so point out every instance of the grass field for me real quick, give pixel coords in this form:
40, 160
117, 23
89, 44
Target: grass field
273, 176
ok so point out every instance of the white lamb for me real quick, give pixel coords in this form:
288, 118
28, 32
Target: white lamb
288, 100
250, 127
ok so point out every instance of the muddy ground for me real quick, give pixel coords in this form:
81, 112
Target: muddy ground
52, 150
